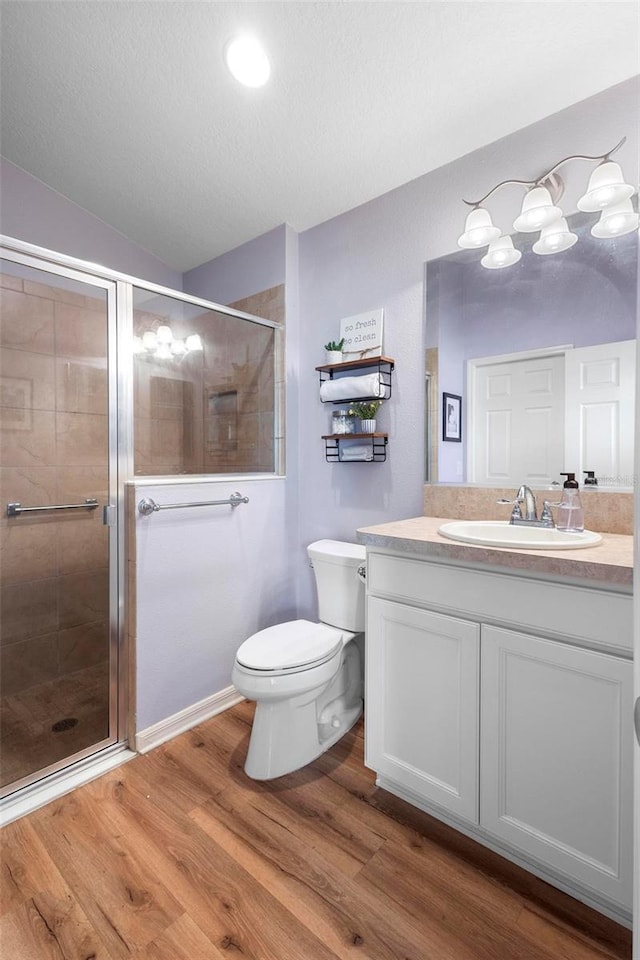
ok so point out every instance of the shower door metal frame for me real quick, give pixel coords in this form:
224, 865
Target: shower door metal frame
118, 450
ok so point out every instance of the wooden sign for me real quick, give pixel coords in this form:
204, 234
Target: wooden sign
362, 335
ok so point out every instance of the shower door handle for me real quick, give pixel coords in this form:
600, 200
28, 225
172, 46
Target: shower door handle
15, 509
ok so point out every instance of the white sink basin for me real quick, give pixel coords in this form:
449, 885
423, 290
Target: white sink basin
500, 533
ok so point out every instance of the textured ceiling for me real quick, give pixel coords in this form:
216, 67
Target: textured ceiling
127, 107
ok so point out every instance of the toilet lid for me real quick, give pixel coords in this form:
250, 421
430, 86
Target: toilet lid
290, 646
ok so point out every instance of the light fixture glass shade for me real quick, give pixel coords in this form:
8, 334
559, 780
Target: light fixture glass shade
149, 340
615, 221
138, 345
178, 348
247, 61
478, 230
194, 342
501, 253
538, 211
163, 352
606, 187
555, 238
164, 334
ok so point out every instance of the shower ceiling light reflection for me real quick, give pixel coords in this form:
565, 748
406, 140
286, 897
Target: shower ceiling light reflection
161, 344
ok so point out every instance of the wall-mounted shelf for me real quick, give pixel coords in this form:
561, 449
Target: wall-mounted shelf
333, 453
383, 365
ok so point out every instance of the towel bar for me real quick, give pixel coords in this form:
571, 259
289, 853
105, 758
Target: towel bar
147, 506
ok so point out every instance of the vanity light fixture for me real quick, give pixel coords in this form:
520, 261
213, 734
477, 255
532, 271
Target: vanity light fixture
616, 220
555, 238
160, 344
606, 186
247, 61
478, 230
538, 211
501, 253
606, 193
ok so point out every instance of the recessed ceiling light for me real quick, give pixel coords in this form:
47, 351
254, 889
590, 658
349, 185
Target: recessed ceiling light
247, 61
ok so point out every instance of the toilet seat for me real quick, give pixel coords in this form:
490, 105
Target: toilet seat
291, 647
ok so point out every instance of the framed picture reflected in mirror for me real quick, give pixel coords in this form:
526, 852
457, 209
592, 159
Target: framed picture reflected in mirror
452, 417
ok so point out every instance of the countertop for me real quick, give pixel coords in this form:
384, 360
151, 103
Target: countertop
608, 563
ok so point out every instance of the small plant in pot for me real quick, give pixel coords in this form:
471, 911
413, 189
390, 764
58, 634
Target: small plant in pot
334, 351
366, 411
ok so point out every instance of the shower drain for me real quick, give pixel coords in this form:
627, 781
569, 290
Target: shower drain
61, 725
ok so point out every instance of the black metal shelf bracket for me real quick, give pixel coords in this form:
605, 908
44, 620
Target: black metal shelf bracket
333, 450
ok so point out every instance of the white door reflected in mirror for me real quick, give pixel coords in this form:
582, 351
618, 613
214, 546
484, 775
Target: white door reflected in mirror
535, 414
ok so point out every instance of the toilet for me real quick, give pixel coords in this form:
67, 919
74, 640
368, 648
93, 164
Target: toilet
307, 678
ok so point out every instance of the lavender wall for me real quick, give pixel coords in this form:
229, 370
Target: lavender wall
373, 256
360, 261
255, 266
294, 492
205, 582
35, 213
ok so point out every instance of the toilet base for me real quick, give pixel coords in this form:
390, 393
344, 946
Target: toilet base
288, 734
266, 759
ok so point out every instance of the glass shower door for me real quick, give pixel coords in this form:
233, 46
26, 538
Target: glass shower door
58, 608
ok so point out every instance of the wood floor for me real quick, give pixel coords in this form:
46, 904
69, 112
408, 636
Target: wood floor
177, 855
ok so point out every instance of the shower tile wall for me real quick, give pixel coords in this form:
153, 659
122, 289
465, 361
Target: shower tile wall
210, 412
53, 403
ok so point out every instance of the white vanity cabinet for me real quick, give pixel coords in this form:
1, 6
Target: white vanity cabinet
503, 705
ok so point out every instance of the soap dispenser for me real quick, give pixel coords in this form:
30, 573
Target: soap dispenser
570, 515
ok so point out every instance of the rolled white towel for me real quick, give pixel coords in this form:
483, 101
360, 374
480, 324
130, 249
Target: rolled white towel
350, 388
356, 451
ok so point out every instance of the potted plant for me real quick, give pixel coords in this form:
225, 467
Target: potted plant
334, 351
366, 411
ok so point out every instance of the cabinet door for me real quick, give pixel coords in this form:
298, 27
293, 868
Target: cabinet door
556, 757
422, 703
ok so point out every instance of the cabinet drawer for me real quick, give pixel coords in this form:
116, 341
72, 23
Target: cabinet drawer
579, 614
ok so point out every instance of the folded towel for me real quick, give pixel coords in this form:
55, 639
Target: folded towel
351, 388
356, 451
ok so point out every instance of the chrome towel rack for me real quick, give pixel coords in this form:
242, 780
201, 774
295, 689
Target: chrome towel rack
147, 506
15, 509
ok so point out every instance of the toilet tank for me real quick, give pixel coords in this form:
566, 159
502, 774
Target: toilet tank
341, 592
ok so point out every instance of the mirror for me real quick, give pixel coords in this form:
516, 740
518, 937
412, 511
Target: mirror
533, 328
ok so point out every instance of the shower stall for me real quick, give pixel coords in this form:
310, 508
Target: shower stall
103, 378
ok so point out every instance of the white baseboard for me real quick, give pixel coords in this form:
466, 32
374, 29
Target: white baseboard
186, 719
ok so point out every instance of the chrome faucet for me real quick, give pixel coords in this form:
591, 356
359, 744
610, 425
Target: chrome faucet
526, 496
